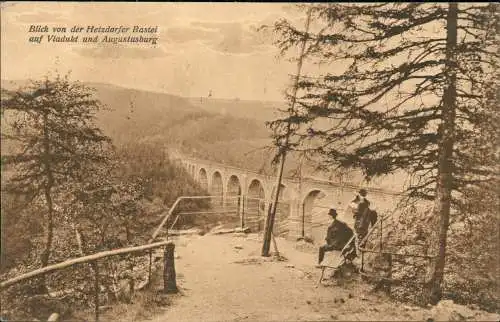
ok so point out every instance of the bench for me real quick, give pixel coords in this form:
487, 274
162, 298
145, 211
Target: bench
343, 254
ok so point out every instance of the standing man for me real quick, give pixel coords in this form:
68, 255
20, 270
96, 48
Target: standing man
337, 236
361, 214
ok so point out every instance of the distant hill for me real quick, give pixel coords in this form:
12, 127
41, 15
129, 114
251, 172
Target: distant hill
256, 110
216, 129
175, 121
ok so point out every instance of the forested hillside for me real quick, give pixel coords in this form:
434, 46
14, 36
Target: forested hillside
232, 132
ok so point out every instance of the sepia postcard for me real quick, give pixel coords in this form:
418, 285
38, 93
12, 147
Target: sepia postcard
206, 161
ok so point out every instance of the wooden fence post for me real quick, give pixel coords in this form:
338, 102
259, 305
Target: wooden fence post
150, 264
362, 261
169, 277
381, 240
96, 289
242, 211
389, 274
303, 220
131, 279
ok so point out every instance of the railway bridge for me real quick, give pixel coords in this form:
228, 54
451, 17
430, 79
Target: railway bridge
303, 202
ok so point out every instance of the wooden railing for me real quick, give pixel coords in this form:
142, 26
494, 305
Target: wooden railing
169, 268
169, 276
171, 212
389, 256
174, 213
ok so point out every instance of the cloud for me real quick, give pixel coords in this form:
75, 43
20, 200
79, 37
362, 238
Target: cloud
115, 52
235, 37
186, 34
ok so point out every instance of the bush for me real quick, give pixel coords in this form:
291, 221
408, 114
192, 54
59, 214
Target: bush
471, 274
18, 227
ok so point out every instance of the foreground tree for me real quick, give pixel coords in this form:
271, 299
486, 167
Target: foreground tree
407, 87
54, 142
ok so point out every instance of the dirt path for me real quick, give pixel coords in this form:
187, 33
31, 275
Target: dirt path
223, 278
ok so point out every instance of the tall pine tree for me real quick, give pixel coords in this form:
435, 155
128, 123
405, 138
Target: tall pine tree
407, 86
54, 142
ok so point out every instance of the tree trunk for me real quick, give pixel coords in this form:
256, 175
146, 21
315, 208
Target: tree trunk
44, 258
50, 229
445, 164
48, 198
271, 214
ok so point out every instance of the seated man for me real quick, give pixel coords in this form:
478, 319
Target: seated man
337, 236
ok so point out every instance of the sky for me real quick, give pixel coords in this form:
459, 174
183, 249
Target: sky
203, 47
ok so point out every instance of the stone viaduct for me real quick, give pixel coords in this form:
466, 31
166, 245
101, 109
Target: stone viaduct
304, 202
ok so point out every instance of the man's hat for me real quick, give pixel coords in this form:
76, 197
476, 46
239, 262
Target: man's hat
332, 212
363, 192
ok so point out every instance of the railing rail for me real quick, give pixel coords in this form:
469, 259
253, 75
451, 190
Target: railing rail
80, 260
398, 254
251, 210
170, 212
